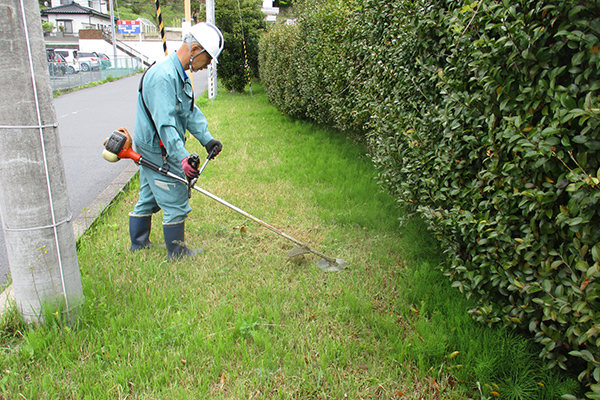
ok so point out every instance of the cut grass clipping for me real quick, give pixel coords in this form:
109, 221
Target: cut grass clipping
244, 321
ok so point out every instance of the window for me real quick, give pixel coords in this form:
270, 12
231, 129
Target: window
65, 26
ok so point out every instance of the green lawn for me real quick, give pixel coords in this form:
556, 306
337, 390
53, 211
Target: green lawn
243, 321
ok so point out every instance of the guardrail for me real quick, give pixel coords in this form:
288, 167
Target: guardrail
107, 36
121, 66
133, 52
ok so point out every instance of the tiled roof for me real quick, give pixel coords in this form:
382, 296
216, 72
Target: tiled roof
73, 8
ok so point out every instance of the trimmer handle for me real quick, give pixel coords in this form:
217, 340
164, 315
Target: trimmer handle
210, 154
194, 160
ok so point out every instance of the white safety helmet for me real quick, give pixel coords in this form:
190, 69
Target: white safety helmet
209, 37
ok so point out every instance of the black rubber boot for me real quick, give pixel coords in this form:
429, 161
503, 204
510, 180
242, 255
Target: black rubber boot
139, 231
174, 240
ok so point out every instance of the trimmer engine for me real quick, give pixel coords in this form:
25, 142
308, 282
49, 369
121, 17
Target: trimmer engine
115, 142
118, 146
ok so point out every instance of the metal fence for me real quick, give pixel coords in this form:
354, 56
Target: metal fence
121, 66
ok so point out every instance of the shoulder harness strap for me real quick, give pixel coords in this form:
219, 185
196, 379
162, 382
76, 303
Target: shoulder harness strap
162, 147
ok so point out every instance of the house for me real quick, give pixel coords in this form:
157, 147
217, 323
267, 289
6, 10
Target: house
88, 28
267, 8
70, 16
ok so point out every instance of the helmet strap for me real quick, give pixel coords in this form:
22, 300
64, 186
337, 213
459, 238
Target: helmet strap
192, 57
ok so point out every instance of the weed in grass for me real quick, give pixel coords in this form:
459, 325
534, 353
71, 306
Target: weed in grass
517, 385
12, 327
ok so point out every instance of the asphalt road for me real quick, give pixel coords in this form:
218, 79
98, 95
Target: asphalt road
86, 117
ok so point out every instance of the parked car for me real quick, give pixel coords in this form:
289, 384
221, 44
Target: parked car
71, 56
88, 60
57, 65
50, 55
104, 61
74, 67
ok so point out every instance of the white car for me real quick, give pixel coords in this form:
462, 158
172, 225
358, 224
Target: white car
73, 67
88, 60
72, 62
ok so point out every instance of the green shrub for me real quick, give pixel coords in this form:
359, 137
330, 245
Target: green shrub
47, 27
512, 185
278, 50
302, 65
484, 118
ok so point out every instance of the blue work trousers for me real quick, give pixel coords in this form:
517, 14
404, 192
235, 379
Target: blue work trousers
162, 192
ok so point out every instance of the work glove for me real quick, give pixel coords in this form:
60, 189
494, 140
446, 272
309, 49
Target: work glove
214, 145
188, 170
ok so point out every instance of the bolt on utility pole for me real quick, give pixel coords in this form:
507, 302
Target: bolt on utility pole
34, 203
212, 67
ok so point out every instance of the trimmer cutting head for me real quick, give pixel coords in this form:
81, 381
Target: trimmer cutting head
324, 264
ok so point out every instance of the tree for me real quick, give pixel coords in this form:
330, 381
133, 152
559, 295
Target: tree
241, 21
47, 27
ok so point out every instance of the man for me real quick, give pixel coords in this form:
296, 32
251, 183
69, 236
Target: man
165, 110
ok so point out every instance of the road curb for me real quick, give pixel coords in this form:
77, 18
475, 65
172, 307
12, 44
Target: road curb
86, 218
89, 215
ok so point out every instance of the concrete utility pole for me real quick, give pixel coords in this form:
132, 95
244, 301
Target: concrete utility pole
113, 33
212, 68
34, 203
188, 16
185, 29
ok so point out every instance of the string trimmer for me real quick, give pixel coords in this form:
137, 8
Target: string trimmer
118, 146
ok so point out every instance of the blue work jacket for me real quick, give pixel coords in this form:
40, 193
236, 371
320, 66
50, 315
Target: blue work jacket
168, 95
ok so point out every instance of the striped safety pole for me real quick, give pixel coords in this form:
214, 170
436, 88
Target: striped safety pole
211, 82
161, 26
247, 65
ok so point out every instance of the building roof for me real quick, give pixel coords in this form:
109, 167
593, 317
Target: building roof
74, 8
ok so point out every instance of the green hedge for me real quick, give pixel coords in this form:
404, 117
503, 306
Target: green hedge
484, 118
